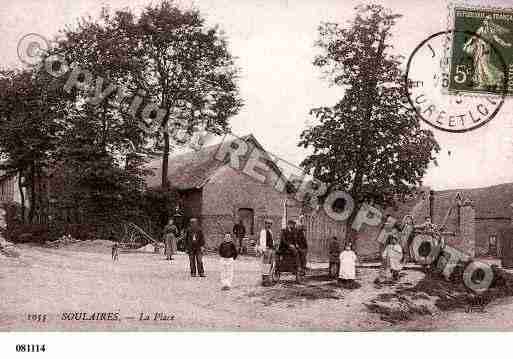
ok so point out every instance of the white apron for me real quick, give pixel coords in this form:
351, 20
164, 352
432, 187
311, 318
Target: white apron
347, 265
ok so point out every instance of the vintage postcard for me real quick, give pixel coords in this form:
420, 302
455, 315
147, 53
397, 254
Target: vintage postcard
244, 166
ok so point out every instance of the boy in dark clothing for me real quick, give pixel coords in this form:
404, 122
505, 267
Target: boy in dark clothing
334, 258
302, 247
239, 231
115, 252
228, 253
194, 243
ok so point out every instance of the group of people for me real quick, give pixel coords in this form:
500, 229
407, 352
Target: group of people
395, 243
193, 243
292, 242
395, 248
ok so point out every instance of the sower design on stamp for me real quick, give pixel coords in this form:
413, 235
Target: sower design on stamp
481, 51
427, 80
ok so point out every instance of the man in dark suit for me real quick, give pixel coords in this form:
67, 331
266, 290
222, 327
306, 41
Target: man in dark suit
239, 231
194, 243
302, 246
289, 242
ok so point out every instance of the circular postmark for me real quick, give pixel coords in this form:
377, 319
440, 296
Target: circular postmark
427, 83
31, 48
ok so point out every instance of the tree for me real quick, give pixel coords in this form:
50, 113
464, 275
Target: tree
98, 175
184, 67
31, 120
368, 144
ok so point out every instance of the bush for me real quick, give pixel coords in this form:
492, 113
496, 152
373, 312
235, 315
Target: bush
78, 231
23, 233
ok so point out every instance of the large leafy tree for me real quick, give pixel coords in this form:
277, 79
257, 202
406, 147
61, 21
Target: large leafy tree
184, 66
31, 122
100, 169
368, 144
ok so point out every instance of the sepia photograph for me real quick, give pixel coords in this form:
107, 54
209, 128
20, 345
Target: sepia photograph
255, 166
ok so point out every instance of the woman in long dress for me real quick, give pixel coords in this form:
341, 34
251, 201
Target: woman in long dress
171, 234
486, 74
392, 256
406, 236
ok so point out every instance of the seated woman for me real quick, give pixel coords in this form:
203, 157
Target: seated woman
289, 242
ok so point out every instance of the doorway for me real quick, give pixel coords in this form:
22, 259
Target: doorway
492, 245
248, 219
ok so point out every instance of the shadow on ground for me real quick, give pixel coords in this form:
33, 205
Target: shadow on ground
314, 286
434, 294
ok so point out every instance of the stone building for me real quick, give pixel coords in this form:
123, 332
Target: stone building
219, 194
474, 220
492, 214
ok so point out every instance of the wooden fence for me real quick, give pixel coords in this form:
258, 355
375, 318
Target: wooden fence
319, 228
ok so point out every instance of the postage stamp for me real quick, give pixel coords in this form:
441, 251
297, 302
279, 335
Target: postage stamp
428, 78
481, 50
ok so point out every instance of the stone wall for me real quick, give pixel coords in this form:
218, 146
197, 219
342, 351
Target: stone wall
486, 228
230, 190
465, 239
214, 227
367, 246
192, 200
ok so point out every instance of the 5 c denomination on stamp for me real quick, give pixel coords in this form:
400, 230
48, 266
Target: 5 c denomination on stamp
428, 77
482, 51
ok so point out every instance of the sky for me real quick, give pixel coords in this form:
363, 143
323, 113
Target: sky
272, 41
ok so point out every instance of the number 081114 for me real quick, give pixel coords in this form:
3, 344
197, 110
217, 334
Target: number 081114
30, 348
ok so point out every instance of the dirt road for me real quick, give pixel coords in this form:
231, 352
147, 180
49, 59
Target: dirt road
57, 282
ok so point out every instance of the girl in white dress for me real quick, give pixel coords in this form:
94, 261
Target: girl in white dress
347, 264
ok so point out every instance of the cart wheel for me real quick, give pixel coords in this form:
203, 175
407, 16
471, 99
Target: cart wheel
276, 277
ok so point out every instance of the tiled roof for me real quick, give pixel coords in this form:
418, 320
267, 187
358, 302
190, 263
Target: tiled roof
489, 202
188, 170
193, 169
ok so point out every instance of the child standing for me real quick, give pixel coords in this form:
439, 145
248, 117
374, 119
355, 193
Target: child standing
347, 265
228, 253
115, 252
334, 258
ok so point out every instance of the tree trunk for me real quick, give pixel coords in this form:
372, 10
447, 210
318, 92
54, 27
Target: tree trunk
22, 197
32, 197
351, 234
165, 159
165, 153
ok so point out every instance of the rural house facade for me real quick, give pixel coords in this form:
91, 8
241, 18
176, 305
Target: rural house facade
474, 220
216, 193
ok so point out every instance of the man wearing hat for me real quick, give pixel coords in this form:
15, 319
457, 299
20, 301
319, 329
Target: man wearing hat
302, 246
265, 246
289, 242
194, 243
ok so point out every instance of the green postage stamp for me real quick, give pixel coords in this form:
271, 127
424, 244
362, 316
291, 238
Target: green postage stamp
482, 51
